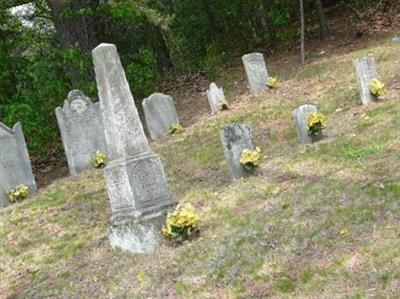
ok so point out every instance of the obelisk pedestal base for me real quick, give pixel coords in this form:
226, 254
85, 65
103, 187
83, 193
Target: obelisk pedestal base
137, 236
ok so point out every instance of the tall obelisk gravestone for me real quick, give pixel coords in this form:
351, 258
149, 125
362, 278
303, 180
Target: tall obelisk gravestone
135, 179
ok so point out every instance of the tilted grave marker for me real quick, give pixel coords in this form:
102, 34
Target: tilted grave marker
135, 179
160, 114
216, 97
15, 165
366, 70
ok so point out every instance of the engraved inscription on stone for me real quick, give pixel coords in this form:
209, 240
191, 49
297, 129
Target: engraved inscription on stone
148, 182
256, 71
82, 130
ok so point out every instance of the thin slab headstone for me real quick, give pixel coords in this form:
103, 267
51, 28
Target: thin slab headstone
236, 138
82, 130
300, 115
136, 185
160, 114
15, 165
366, 70
215, 96
256, 71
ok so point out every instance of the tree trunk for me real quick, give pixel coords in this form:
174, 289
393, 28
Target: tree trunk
303, 59
323, 23
73, 27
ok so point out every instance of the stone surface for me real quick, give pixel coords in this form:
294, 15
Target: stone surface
235, 138
15, 165
396, 39
366, 69
300, 120
215, 95
82, 130
160, 114
256, 71
135, 179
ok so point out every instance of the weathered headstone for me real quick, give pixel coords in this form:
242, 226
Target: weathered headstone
82, 130
236, 138
256, 71
160, 114
396, 39
135, 179
365, 70
215, 96
300, 120
15, 165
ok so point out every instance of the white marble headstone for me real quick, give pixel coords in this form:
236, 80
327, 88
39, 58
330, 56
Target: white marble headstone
215, 96
366, 70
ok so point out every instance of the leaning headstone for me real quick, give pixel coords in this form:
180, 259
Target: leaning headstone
236, 138
256, 71
300, 120
135, 179
365, 70
82, 130
160, 114
215, 97
15, 165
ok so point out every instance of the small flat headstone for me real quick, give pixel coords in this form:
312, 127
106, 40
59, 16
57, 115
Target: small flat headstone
15, 165
82, 130
135, 180
366, 69
215, 96
300, 120
256, 71
236, 138
160, 114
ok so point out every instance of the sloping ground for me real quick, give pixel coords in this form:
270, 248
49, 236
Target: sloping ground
322, 222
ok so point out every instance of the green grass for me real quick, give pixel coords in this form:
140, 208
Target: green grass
321, 222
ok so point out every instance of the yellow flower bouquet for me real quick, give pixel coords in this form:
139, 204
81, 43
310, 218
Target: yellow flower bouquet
316, 122
18, 193
175, 128
99, 160
272, 82
182, 223
250, 158
377, 88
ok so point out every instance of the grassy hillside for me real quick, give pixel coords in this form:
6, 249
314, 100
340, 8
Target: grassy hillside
322, 222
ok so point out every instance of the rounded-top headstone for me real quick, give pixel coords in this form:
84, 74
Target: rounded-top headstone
160, 114
256, 71
236, 138
300, 115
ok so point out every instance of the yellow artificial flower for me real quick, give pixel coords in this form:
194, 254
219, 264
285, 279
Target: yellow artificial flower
377, 88
18, 193
315, 118
183, 220
272, 82
99, 160
251, 157
175, 128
